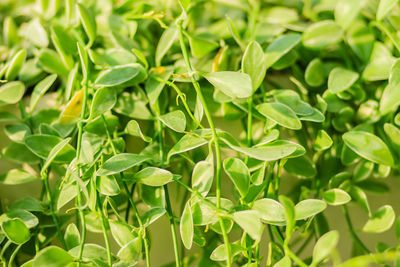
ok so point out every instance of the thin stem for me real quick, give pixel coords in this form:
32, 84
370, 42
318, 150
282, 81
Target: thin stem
78, 153
167, 200
146, 243
51, 206
249, 134
294, 257
13, 255
3, 250
181, 96
352, 231
172, 226
130, 198
215, 138
104, 225
128, 205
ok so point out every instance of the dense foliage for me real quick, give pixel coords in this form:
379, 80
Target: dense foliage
130, 111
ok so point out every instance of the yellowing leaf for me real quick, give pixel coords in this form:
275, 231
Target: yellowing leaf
73, 109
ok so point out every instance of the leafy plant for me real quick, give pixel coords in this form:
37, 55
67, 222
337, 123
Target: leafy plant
126, 112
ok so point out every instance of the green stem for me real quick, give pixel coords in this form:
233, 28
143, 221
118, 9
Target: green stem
172, 226
167, 200
146, 243
215, 138
104, 225
130, 198
294, 257
3, 250
78, 153
128, 205
352, 231
13, 255
249, 134
181, 96
51, 206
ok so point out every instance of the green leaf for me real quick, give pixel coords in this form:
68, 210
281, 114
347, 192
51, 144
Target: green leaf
42, 145
153, 176
239, 174
152, 215
385, 6
270, 152
133, 128
50, 61
167, 39
284, 262
186, 143
17, 176
120, 162
280, 114
107, 185
363, 170
10, 34
346, 12
380, 63
202, 176
175, 120
359, 196
91, 252
369, 146
390, 99
253, 64
323, 141
40, 89
336, 197
27, 203
52, 257
309, 207
279, 47
186, 226
15, 65
88, 23
17, 132
36, 34
324, 246
201, 46
220, 252
55, 151
381, 221
341, 79
20, 154
322, 34
233, 84
83, 56
72, 237
301, 166
269, 210
16, 230
11, 92
131, 251
121, 232
130, 73
103, 100
393, 132
292, 99
313, 74
64, 44
249, 221
27, 218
